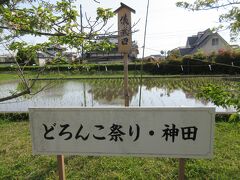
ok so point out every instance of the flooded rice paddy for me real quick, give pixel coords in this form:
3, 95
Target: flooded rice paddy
158, 92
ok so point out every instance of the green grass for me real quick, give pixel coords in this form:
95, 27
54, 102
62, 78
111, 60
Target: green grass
7, 76
17, 162
4, 77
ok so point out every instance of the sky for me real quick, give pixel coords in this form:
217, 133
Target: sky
168, 26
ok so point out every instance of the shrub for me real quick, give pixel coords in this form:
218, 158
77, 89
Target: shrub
224, 56
59, 60
25, 56
199, 55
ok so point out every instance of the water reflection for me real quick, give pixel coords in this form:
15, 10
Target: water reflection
110, 92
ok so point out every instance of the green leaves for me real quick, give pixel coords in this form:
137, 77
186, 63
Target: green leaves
222, 97
57, 20
104, 14
216, 94
103, 46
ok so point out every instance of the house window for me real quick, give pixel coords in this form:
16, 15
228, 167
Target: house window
214, 41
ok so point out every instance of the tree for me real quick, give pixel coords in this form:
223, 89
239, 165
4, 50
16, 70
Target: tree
58, 21
229, 20
25, 56
173, 54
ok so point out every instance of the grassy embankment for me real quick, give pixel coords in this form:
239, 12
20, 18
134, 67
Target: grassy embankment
4, 77
17, 162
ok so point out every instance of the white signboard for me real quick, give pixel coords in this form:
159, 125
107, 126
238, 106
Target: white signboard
167, 132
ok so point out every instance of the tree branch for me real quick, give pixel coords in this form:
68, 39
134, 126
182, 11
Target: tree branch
209, 6
27, 91
219, 6
33, 32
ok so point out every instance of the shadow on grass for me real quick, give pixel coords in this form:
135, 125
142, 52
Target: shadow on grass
14, 117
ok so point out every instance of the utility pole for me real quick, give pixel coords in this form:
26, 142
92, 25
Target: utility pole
144, 42
145, 31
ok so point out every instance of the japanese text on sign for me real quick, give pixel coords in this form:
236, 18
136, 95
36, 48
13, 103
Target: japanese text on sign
115, 132
172, 132
124, 31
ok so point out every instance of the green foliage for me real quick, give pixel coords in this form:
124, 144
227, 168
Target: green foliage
26, 57
230, 19
103, 46
227, 56
173, 55
224, 57
224, 97
104, 14
199, 55
27, 54
59, 60
217, 95
187, 58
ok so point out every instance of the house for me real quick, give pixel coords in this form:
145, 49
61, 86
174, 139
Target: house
6, 58
113, 55
70, 56
43, 58
235, 46
206, 41
155, 57
50, 53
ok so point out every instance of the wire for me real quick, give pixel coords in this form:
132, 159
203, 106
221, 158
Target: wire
153, 49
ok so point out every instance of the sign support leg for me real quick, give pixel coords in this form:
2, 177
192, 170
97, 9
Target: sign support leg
181, 170
126, 95
61, 169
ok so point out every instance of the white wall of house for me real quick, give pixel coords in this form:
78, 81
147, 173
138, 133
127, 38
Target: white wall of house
5, 59
113, 40
214, 44
134, 53
42, 61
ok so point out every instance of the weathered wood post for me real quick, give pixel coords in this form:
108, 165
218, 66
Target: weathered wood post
125, 41
61, 168
126, 95
181, 169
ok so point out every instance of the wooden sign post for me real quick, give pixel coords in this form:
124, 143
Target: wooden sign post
61, 169
125, 41
126, 95
181, 169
